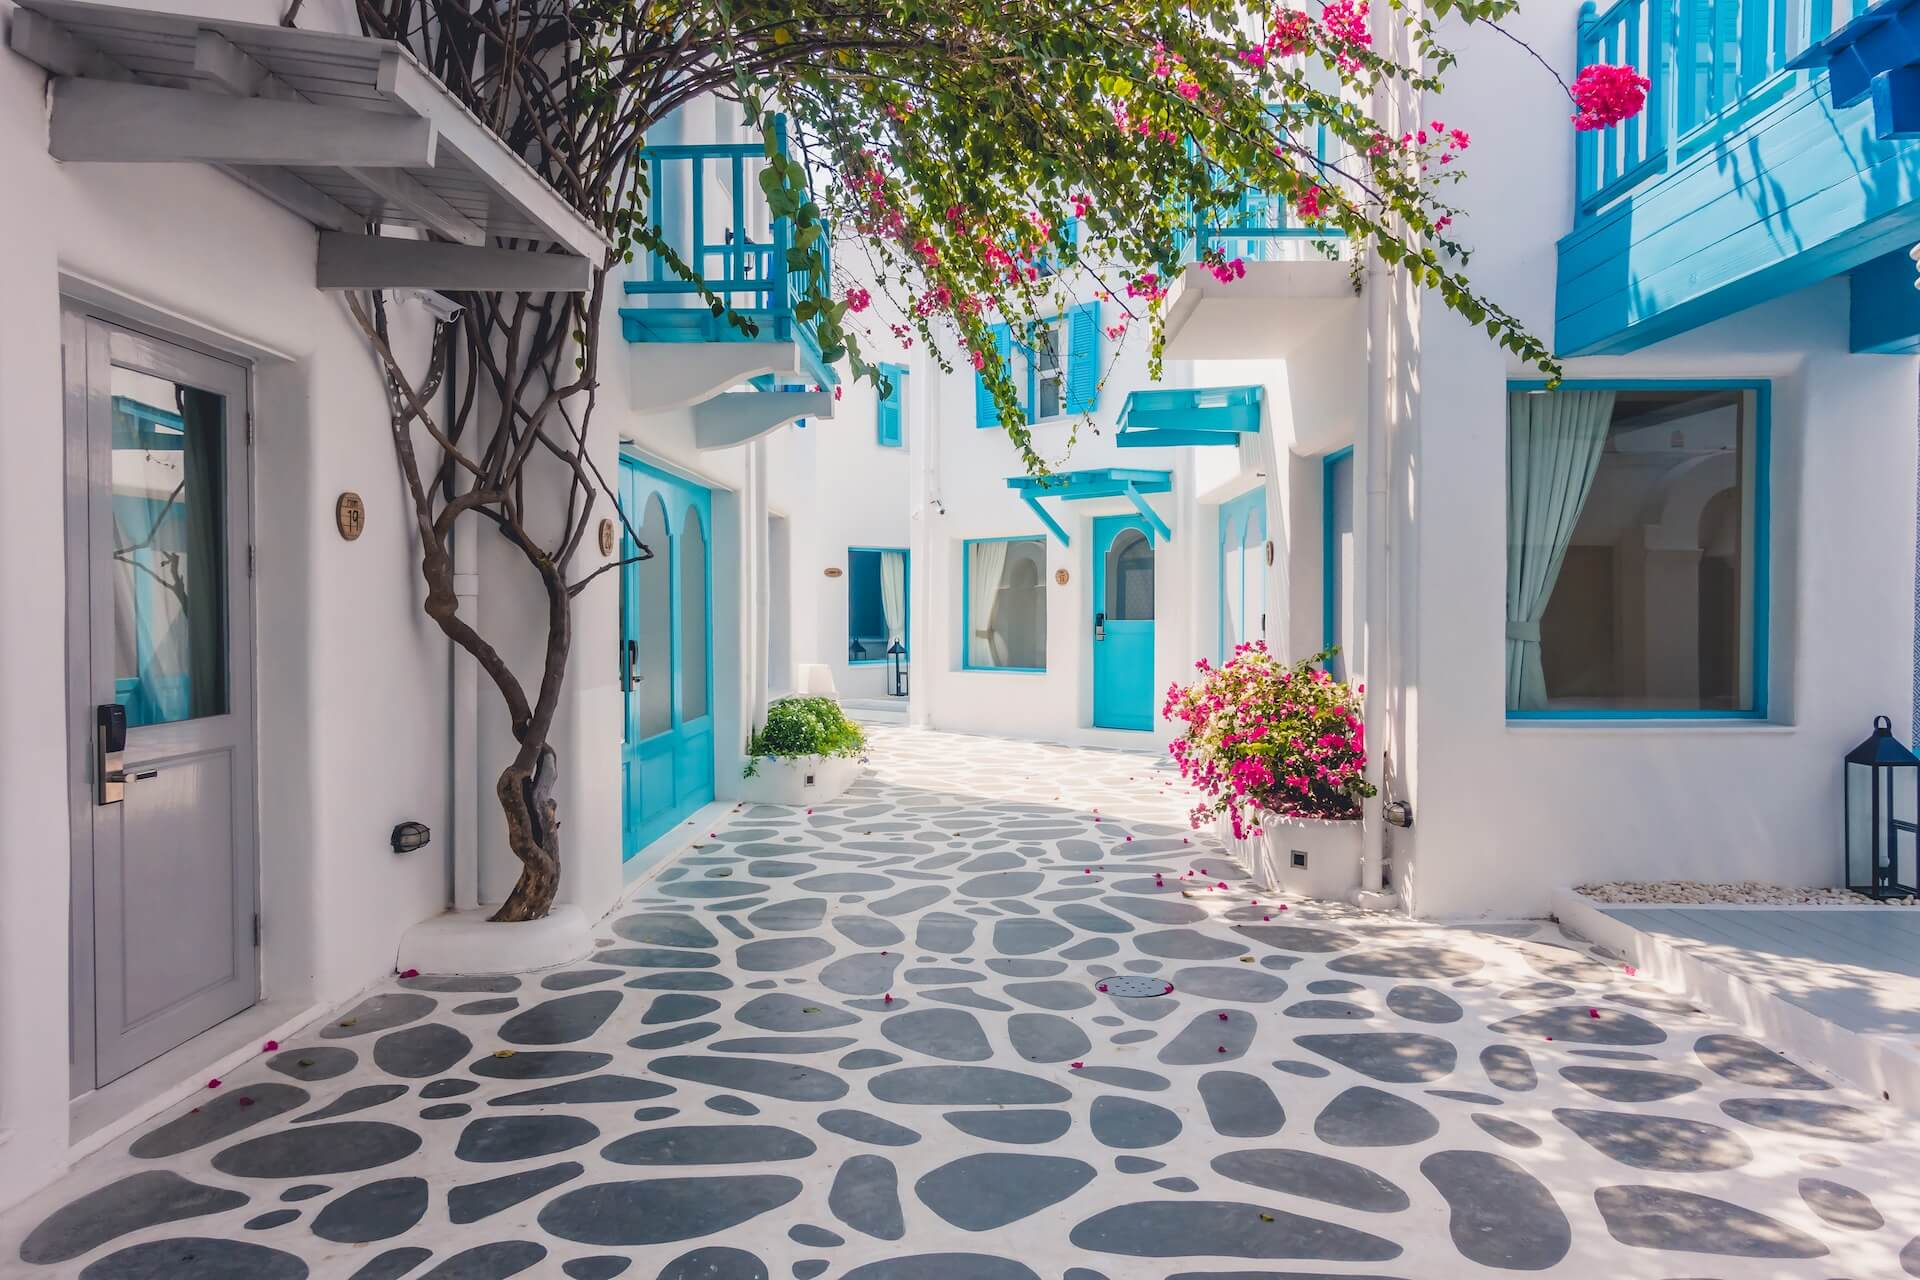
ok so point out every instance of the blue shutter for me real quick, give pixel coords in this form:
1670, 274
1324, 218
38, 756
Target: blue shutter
1083, 358
985, 412
888, 415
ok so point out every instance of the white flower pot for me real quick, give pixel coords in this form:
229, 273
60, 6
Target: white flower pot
1308, 857
801, 780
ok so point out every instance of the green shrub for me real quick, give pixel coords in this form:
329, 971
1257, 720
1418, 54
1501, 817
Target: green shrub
804, 727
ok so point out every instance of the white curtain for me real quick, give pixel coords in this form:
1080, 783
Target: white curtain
986, 561
1554, 443
893, 595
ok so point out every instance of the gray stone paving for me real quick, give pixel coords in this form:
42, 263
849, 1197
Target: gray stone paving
897, 1038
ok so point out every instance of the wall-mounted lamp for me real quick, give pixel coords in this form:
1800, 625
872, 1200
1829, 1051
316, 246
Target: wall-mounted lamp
411, 835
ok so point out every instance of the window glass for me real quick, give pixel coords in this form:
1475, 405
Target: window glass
1049, 372
653, 605
1632, 566
693, 620
876, 603
169, 549
1006, 604
1130, 577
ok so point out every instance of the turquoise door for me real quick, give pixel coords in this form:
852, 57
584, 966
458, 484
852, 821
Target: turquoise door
666, 653
1243, 571
1122, 623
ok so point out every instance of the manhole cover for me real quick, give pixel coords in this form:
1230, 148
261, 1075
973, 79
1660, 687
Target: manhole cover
1134, 986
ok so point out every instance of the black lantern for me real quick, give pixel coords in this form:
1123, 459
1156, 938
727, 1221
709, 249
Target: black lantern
1883, 815
897, 654
410, 835
856, 652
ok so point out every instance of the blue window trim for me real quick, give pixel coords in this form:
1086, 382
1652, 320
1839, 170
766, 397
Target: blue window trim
1762, 621
1023, 347
966, 598
906, 559
1329, 606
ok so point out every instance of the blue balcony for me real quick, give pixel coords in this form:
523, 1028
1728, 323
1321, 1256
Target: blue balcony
1746, 178
1261, 228
706, 198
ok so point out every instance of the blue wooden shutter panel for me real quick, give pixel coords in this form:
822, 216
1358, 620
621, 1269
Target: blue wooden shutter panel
985, 412
1083, 358
887, 408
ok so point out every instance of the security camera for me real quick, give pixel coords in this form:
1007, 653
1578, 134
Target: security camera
438, 305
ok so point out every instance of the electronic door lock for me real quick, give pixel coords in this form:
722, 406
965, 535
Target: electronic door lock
633, 664
109, 753
1099, 626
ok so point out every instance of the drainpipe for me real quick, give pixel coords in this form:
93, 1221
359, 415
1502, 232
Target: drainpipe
1372, 466
463, 753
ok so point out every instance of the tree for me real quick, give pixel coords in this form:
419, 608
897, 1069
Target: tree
955, 139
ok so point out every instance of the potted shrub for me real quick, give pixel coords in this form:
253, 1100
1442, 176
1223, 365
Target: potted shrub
808, 751
1279, 753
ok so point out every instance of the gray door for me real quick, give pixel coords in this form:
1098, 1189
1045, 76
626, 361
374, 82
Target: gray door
159, 645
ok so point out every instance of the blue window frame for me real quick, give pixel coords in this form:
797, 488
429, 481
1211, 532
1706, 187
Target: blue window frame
1056, 367
878, 611
1003, 604
1638, 550
1337, 567
890, 409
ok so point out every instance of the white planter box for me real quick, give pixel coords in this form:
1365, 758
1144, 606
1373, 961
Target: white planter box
1308, 857
800, 780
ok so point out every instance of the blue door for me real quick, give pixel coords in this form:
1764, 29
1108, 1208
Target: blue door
1243, 571
1122, 623
666, 653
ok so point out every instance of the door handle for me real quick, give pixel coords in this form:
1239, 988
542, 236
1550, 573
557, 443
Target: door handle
1099, 626
109, 753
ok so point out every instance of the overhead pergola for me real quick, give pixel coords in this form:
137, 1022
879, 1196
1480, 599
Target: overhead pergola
348, 132
1106, 482
1162, 417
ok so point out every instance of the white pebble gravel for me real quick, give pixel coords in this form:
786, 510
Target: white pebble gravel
1744, 892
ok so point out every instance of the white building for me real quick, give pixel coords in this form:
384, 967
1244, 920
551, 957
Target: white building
1733, 601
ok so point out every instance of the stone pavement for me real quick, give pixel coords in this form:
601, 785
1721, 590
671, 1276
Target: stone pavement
998, 1015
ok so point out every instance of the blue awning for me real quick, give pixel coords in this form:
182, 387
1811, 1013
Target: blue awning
1106, 482
1168, 416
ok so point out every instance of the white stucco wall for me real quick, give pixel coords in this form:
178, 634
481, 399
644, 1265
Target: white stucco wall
351, 676
1506, 812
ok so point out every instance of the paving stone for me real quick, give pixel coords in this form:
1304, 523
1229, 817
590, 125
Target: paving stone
789, 1080
1424, 1004
1131, 1123
563, 1019
1509, 1068
271, 1219
1834, 1120
341, 1146
1240, 1105
1241, 985
316, 1062
1224, 1229
1424, 961
1670, 1144
665, 929
599, 1267
706, 1144
1685, 1221
866, 1196
218, 1118
1214, 1035
1367, 1117
965, 1086
989, 1190
150, 1198
494, 1261
663, 1210
1395, 1057
1749, 1062
1510, 1132
1024, 1127
200, 1257
1314, 1176
373, 1211
379, 1013
472, 1201
1501, 1215
420, 1051
1573, 1024
715, 1262
778, 1011
943, 1266
1626, 1084
1840, 1205
863, 1126
1043, 1037
584, 1091
496, 1139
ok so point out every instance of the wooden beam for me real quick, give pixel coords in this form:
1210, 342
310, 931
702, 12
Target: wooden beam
100, 120
388, 262
52, 47
1147, 513
1046, 517
403, 193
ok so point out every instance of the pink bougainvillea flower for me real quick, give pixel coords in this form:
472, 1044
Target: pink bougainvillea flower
1103, 986
271, 1046
244, 1101
888, 998
1221, 1049
1076, 1065
1593, 1013
410, 973
858, 300
1223, 1017
1606, 94
214, 1083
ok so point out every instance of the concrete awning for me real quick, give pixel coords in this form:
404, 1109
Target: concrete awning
342, 130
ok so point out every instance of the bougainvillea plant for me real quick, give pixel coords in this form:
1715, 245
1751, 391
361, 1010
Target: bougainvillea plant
1261, 737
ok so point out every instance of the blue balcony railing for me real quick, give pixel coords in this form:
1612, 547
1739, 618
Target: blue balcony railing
706, 199
1712, 66
1260, 227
